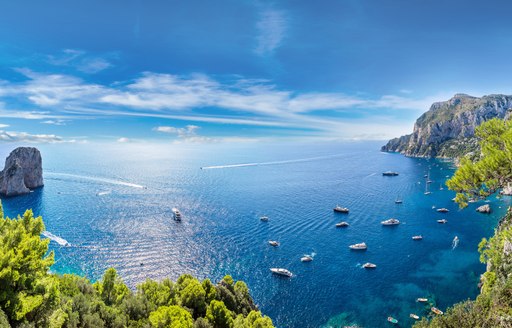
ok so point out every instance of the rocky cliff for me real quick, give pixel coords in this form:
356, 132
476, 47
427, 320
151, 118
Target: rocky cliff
23, 171
447, 129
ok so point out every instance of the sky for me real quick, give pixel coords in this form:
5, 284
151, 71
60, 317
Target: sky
236, 71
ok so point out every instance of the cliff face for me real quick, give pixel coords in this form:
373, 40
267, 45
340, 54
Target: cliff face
23, 171
447, 129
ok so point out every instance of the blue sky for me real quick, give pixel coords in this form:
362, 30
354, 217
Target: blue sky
203, 71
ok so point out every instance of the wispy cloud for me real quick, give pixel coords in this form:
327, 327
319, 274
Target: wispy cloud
11, 136
80, 60
123, 140
271, 29
55, 122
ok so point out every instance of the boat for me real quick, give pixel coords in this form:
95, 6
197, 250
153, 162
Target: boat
342, 224
264, 218
390, 174
398, 200
427, 192
359, 247
436, 310
442, 221
390, 222
281, 272
441, 187
392, 320
472, 200
340, 209
443, 210
418, 237
369, 265
273, 243
176, 214
414, 316
421, 299
306, 258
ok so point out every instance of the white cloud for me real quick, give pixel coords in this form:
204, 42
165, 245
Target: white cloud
80, 60
123, 140
188, 131
2, 126
271, 31
93, 65
55, 122
10, 136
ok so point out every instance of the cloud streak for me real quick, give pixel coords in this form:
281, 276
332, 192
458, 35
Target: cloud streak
271, 29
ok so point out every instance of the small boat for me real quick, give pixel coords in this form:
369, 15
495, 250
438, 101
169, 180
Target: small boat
306, 258
441, 186
390, 222
418, 237
273, 243
443, 210
392, 320
176, 214
264, 218
429, 181
414, 316
436, 310
281, 272
369, 265
359, 247
390, 174
340, 209
472, 200
398, 200
342, 224
422, 300
442, 221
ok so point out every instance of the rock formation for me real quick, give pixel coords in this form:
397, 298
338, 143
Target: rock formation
484, 209
23, 171
447, 129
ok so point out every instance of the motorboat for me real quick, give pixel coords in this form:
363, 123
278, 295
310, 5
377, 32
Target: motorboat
443, 210
306, 258
281, 272
414, 316
398, 201
176, 214
359, 247
342, 224
369, 265
390, 222
442, 221
273, 243
390, 174
340, 209
418, 237
264, 218
392, 320
436, 310
422, 300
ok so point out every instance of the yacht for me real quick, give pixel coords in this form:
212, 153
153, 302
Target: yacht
390, 222
443, 210
414, 316
360, 246
392, 320
427, 192
306, 258
340, 209
442, 221
390, 174
176, 214
436, 310
273, 243
281, 272
422, 300
419, 237
264, 218
398, 201
342, 224
369, 265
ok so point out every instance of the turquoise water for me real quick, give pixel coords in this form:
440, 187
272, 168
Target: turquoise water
113, 203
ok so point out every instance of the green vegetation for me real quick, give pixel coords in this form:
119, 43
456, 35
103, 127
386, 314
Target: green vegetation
30, 296
493, 170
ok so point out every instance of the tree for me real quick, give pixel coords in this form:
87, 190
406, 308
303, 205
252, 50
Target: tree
171, 317
112, 288
219, 315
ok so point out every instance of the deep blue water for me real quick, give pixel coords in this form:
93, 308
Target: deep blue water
93, 199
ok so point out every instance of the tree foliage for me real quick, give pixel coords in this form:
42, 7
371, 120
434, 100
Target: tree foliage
31, 296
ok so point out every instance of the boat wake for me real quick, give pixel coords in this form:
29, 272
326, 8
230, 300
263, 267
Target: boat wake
292, 161
57, 239
103, 193
97, 179
455, 242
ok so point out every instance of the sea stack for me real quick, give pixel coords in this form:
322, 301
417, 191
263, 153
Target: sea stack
484, 209
23, 171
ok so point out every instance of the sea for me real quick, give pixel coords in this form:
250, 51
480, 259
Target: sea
110, 205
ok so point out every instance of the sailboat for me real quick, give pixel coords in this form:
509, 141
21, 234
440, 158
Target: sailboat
427, 192
398, 200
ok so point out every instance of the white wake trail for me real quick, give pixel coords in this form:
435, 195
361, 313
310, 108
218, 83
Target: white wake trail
98, 179
57, 239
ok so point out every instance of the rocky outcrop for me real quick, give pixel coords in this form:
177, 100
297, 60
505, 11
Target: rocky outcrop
447, 129
484, 209
23, 171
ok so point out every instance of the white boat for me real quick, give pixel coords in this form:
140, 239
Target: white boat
443, 210
281, 272
418, 237
340, 209
264, 218
442, 221
342, 224
422, 300
414, 316
390, 222
398, 201
359, 247
306, 258
273, 243
369, 265
436, 310
176, 214
390, 174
